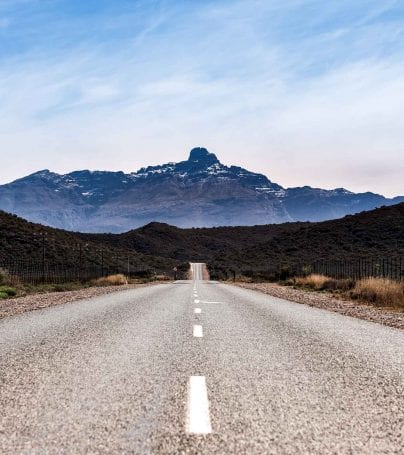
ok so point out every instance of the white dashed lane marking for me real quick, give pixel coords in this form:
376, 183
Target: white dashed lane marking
198, 418
197, 311
198, 332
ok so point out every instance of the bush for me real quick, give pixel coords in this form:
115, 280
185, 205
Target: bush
162, 277
6, 292
343, 285
325, 283
284, 273
313, 281
381, 291
112, 280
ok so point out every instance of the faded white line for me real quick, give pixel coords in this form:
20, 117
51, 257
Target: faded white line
196, 301
198, 332
197, 311
204, 301
198, 417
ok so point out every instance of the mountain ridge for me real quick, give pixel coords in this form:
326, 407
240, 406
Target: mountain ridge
197, 192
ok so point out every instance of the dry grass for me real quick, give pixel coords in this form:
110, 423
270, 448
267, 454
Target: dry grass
377, 291
112, 280
313, 281
380, 291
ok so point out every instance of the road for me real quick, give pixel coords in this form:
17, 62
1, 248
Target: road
198, 367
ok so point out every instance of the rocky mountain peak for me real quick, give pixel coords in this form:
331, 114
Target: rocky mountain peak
201, 156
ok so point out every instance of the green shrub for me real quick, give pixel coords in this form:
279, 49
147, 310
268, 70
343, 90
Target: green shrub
7, 291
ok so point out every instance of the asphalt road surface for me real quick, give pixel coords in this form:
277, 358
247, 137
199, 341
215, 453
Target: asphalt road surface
198, 367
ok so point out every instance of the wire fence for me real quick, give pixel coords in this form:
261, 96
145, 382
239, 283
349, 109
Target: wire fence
45, 272
392, 268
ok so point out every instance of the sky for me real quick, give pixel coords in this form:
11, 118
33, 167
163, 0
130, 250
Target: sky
307, 92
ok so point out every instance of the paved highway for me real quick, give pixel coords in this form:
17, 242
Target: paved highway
198, 367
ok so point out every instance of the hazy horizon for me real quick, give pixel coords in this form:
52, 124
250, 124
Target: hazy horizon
304, 92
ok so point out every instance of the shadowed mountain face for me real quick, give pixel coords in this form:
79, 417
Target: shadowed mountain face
193, 193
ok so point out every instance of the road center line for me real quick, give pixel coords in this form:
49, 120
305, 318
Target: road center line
198, 418
198, 332
196, 301
197, 311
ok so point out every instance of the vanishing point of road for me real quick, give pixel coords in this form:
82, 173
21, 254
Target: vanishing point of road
198, 367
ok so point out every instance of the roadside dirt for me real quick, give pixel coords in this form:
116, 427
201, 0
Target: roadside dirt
19, 305
325, 301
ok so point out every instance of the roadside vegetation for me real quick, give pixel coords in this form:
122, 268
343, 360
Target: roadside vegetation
11, 287
373, 290
380, 291
112, 280
6, 290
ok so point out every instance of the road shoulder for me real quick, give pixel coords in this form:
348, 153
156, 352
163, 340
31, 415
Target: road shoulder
328, 302
19, 305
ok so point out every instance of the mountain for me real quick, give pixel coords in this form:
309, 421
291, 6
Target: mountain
197, 192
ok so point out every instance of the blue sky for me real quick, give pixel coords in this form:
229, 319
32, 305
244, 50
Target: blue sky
305, 91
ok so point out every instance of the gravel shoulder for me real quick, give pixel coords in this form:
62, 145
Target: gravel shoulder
19, 305
328, 302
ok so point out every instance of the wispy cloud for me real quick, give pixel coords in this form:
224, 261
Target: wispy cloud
309, 92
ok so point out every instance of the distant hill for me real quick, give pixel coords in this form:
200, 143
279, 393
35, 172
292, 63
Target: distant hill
22, 241
372, 234
197, 192
376, 233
